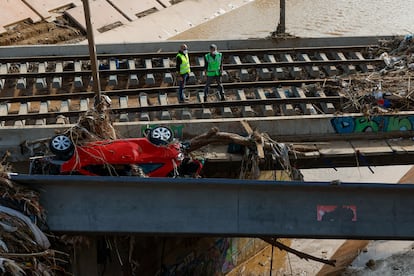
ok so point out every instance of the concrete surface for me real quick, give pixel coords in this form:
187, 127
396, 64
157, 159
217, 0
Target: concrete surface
169, 22
132, 8
102, 15
316, 247
15, 11
44, 7
166, 21
361, 174
378, 250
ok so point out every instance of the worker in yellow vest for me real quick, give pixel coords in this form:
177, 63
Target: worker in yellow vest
213, 66
183, 70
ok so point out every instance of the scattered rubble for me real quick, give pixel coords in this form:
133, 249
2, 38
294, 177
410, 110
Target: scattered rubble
94, 124
258, 148
24, 248
398, 264
27, 33
386, 90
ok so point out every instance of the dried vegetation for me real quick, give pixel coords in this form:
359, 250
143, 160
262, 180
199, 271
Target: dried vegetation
24, 248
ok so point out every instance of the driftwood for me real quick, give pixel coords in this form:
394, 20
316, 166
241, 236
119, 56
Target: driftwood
302, 255
39, 237
259, 144
216, 136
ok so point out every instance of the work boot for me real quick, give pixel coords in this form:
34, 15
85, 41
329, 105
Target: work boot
205, 99
222, 98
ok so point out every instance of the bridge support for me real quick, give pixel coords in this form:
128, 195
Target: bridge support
222, 207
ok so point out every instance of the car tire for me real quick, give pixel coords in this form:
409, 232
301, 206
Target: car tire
161, 135
61, 146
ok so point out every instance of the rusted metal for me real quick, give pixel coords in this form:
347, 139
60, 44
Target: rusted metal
315, 100
268, 81
259, 51
169, 89
281, 28
162, 206
92, 52
194, 68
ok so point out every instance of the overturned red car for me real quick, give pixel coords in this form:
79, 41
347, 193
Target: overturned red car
156, 155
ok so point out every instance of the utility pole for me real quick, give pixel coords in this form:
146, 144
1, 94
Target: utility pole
92, 53
281, 27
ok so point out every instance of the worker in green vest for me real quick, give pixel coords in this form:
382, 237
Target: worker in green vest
183, 71
213, 66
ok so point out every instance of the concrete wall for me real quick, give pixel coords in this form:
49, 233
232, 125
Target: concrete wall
172, 46
283, 129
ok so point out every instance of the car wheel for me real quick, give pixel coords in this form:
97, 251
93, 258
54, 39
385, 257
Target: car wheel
161, 135
61, 146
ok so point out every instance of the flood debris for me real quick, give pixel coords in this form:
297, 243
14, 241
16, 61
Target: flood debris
24, 248
94, 125
259, 147
387, 89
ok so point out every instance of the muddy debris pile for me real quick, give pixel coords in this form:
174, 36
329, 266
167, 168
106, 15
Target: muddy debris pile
259, 147
387, 89
94, 125
59, 31
24, 248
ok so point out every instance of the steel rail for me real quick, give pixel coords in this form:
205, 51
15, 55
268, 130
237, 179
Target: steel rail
315, 100
192, 53
194, 68
169, 89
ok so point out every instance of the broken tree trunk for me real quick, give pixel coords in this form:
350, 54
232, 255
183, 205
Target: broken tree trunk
302, 255
216, 136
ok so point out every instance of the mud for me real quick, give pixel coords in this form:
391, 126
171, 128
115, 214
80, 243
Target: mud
57, 32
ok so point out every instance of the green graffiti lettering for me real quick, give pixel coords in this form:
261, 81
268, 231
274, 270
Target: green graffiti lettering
397, 124
365, 125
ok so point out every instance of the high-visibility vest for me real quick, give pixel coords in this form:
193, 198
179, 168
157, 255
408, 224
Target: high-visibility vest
214, 64
185, 63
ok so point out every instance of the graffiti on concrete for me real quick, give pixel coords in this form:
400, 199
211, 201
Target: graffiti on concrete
178, 129
347, 125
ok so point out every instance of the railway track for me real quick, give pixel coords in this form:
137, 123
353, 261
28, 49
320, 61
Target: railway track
258, 82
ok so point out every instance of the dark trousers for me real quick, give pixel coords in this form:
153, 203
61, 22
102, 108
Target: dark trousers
181, 86
211, 79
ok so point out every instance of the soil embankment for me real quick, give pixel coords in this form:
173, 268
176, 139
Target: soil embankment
55, 32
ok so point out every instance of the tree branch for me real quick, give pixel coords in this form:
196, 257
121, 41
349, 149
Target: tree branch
302, 255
